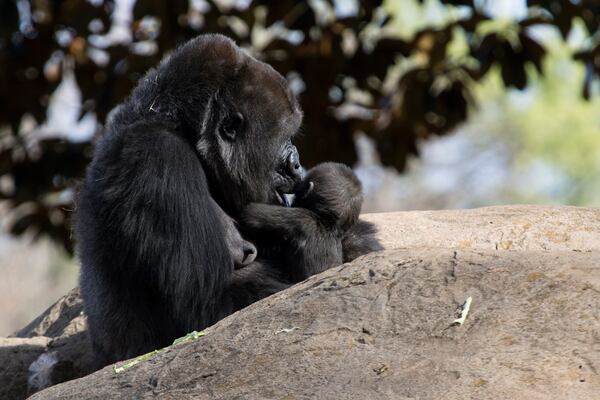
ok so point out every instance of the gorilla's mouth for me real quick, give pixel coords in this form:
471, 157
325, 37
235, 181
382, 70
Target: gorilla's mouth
284, 199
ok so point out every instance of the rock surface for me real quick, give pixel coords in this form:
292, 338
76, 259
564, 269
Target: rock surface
494, 228
53, 348
379, 327
65, 317
16, 355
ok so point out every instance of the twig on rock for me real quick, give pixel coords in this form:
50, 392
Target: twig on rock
463, 314
187, 338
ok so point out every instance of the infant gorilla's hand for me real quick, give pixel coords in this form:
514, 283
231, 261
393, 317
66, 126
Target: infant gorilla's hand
303, 189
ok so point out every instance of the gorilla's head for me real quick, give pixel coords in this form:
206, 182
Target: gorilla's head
333, 192
240, 116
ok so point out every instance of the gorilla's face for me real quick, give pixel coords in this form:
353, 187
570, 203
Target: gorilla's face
272, 117
245, 133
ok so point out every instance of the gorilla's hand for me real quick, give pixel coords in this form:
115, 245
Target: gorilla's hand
303, 189
242, 251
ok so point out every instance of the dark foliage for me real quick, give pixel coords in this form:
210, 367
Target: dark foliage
332, 56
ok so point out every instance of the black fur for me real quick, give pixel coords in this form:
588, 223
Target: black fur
252, 283
360, 240
322, 228
204, 134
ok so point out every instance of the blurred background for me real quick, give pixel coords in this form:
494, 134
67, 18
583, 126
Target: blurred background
436, 104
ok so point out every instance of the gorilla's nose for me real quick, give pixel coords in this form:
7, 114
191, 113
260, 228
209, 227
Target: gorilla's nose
293, 166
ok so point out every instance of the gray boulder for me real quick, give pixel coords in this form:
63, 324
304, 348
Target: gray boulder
380, 327
495, 228
53, 348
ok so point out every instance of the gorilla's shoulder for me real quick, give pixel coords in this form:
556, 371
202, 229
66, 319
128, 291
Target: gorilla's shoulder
143, 140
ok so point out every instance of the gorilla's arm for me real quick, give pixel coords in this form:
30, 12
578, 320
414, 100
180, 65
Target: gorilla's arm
146, 218
359, 240
177, 229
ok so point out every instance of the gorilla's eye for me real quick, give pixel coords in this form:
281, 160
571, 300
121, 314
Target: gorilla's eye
232, 126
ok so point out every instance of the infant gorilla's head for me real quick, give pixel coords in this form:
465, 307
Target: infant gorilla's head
333, 192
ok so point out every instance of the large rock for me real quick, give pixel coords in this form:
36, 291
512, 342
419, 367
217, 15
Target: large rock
16, 355
65, 317
494, 228
381, 328
55, 347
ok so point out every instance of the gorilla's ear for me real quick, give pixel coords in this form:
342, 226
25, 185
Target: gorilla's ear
221, 118
231, 126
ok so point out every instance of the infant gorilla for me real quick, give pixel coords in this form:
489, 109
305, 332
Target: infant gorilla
309, 237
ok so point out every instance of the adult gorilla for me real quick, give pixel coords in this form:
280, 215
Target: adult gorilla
202, 135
